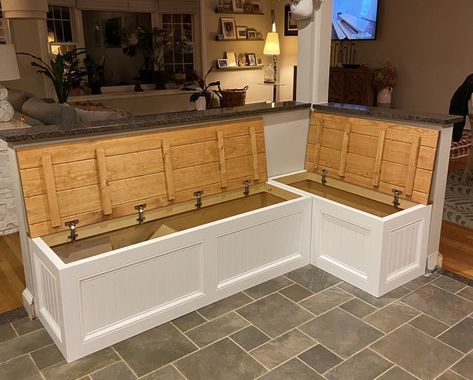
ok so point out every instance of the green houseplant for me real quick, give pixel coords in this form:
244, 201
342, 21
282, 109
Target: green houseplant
202, 91
64, 70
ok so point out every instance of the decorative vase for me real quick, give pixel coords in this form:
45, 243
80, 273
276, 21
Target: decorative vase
384, 97
201, 103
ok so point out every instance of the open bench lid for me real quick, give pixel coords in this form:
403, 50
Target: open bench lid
373, 154
102, 178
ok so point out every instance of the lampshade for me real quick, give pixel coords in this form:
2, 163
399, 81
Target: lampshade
271, 46
8, 63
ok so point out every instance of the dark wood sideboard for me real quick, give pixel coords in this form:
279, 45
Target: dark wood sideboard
352, 86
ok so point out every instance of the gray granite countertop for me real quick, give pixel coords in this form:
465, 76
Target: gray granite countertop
21, 136
387, 114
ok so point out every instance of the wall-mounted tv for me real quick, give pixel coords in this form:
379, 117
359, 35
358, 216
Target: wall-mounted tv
354, 19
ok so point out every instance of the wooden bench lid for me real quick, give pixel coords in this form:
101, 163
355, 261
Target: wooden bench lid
99, 179
373, 154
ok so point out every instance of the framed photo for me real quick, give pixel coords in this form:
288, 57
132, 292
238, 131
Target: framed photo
225, 5
237, 5
253, 6
228, 28
241, 32
290, 24
241, 60
251, 59
221, 63
251, 34
231, 58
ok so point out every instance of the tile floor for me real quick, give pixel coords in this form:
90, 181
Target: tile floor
304, 325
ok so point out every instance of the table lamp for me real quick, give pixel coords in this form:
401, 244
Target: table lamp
8, 71
271, 46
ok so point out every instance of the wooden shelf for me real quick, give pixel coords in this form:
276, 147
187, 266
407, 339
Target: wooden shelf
239, 39
228, 12
236, 68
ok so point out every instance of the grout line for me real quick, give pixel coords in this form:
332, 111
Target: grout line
123, 360
178, 371
198, 312
14, 330
34, 363
257, 360
107, 366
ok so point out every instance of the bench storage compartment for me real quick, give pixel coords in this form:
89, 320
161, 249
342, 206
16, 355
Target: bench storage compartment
150, 247
353, 168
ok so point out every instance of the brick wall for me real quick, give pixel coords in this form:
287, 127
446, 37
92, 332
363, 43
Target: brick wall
8, 217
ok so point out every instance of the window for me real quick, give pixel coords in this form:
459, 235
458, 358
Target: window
59, 29
179, 55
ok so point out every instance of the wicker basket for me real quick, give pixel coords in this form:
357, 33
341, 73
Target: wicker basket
233, 97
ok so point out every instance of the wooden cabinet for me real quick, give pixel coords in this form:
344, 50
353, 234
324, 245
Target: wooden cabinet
351, 86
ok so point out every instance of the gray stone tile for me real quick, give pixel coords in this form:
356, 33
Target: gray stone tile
396, 373
465, 366
460, 336
428, 325
365, 365
189, 321
117, 371
321, 302
467, 293
419, 282
417, 352
391, 316
449, 375
448, 284
268, 287
293, 369
24, 344
154, 348
25, 325
166, 373
216, 329
341, 332
320, 359
250, 337
372, 300
224, 306
439, 304
221, 360
47, 356
296, 292
274, 314
81, 367
6, 332
313, 278
18, 369
358, 308
279, 350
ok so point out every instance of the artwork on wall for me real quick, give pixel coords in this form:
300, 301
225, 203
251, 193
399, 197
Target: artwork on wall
237, 5
241, 32
253, 6
231, 58
228, 28
290, 23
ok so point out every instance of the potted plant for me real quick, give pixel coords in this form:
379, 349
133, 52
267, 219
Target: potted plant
95, 74
384, 80
202, 92
150, 44
64, 70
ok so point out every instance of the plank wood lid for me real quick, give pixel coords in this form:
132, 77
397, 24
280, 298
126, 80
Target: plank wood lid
100, 179
373, 154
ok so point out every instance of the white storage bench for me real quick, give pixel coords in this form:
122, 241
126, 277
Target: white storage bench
127, 233
356, 169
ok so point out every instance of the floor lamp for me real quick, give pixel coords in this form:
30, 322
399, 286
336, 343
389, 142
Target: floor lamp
271, 47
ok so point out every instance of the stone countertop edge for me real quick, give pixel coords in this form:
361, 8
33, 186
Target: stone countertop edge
388, 114
24, 136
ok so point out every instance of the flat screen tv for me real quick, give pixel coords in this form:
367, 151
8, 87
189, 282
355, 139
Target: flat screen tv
354, 19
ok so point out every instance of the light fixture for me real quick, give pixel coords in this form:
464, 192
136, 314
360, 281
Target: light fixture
271, 47
8, 71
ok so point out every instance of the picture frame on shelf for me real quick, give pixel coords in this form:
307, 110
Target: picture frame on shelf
290, 23
241, 60
237, 6
241, 32
225, 5
231, 58
253, 6
222, 63
251, 59
228, 28
251, 34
